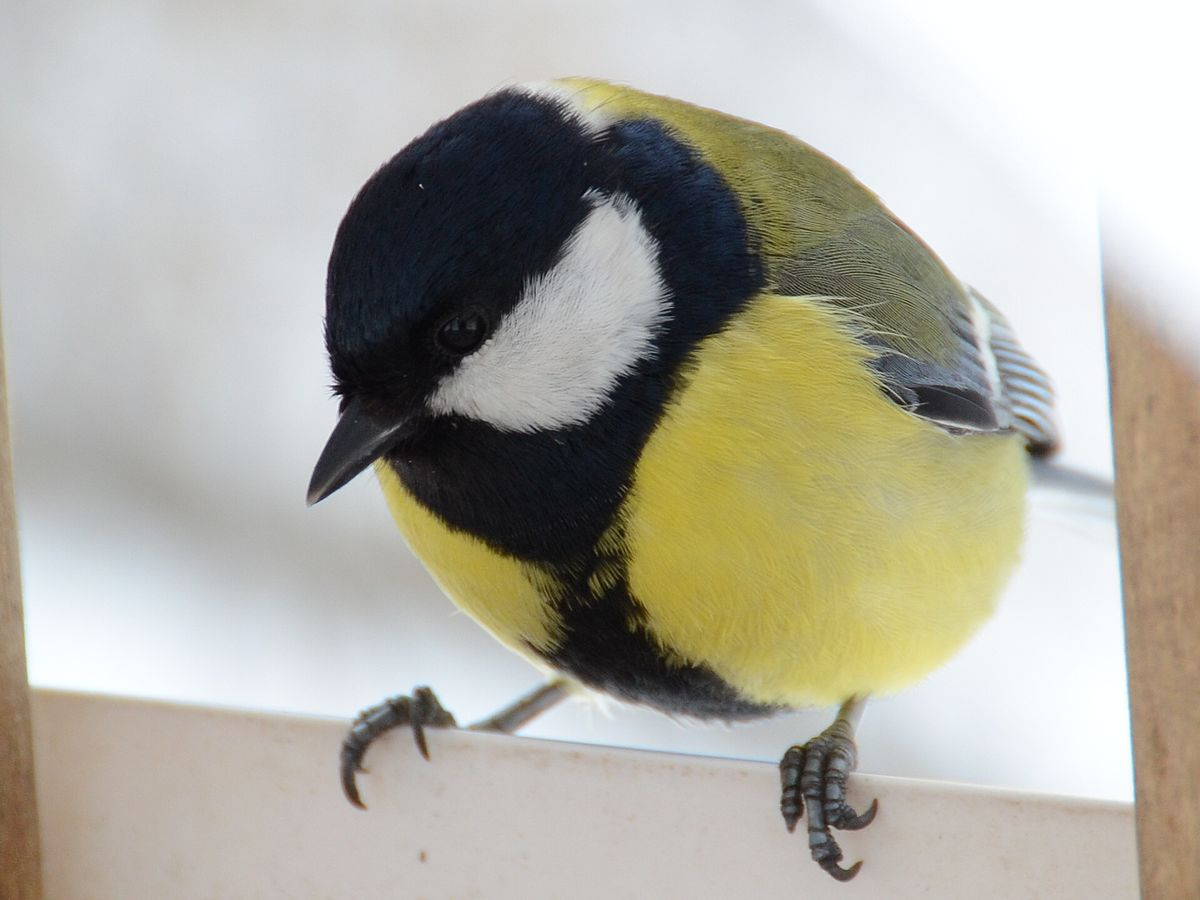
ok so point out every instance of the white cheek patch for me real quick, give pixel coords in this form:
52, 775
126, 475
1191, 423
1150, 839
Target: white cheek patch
556, 357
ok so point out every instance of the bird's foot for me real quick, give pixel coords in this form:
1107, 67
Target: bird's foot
418, 711
814, 781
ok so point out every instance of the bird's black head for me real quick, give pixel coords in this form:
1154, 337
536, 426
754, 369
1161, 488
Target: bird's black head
529, 278
438, 244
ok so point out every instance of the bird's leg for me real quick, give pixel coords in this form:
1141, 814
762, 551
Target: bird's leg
524, 709
814, 781
422, 709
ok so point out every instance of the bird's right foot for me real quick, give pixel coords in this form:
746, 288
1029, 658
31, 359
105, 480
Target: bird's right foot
814, 777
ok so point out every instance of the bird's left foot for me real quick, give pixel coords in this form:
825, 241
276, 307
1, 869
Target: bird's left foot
421, 710
814, 782
417, 711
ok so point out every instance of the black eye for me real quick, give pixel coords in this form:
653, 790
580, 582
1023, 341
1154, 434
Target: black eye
463, 332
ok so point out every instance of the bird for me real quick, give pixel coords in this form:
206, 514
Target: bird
677, 409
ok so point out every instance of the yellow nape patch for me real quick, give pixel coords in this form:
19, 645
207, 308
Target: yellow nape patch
504, 595
802, 535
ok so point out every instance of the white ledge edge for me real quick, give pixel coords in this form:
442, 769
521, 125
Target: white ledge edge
151, 799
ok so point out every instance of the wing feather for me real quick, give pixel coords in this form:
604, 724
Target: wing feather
1026, 388
931, 357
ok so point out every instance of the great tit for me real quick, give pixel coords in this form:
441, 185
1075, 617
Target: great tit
673, 406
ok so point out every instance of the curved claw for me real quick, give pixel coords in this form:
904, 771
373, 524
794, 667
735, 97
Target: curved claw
839, 873
855, 822
350, 768
418, 730
355, 745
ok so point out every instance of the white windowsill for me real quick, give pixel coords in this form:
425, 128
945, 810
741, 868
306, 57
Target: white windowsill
153, 800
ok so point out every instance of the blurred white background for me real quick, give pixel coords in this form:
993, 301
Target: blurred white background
171, 176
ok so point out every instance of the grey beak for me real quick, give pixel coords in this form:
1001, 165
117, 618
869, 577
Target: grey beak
357, 441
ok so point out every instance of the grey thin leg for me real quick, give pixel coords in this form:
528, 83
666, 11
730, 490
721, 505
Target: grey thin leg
525, 709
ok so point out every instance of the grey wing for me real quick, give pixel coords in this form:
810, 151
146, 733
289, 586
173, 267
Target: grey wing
944, 352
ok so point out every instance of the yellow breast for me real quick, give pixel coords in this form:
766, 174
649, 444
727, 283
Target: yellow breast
788, 527
506, 596
799, 533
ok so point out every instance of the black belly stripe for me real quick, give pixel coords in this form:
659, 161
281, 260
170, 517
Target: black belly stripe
605, 644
